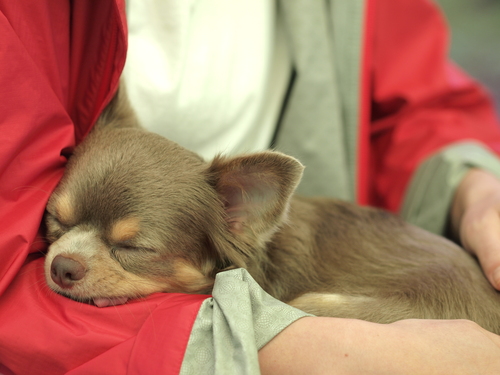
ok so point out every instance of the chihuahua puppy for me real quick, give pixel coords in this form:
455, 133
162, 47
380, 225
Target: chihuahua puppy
137, 214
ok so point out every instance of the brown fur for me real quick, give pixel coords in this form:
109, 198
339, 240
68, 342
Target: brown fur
140, 214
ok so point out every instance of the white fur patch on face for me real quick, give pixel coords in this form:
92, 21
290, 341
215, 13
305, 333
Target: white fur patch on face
80, 242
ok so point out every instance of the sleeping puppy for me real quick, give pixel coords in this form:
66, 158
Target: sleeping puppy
136, 214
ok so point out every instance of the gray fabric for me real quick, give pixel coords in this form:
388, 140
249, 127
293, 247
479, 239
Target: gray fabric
431, 190
322, 113
348, 27
233, 325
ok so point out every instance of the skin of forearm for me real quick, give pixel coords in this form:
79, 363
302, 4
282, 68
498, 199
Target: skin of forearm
411, 347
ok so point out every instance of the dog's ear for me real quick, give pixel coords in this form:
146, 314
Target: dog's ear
255, 190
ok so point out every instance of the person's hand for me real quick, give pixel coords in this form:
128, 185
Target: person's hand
410, 347
475, 220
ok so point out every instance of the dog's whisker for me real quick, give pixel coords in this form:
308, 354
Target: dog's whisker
29, 187
22, 273
42, 241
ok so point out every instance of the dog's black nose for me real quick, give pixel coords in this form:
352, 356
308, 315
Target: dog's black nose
65, 271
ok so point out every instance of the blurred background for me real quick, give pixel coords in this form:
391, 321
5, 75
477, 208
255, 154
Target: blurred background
475, 39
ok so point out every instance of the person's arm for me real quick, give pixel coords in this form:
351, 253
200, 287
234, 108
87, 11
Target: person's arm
343, 346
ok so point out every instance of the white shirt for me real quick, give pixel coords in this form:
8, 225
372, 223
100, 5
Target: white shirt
210, 75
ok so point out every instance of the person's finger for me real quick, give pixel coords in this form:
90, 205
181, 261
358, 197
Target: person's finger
480, 234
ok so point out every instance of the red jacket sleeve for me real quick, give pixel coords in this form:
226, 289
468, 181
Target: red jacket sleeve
60, 63
420, 101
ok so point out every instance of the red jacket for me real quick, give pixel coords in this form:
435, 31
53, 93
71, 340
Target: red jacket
415, 100
61, 63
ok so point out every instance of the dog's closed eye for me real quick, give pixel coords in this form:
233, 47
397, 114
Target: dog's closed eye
128, 249
52, 218
55, 228
128, 255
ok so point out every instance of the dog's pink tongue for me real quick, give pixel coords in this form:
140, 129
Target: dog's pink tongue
104, 302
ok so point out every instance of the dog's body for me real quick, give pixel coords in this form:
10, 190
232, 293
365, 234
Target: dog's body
137, 214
